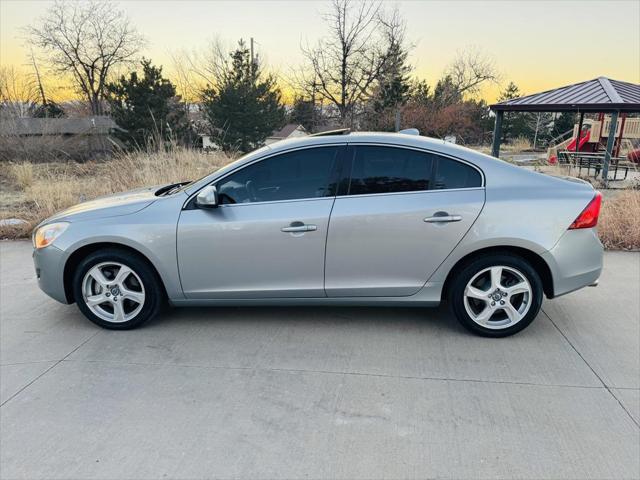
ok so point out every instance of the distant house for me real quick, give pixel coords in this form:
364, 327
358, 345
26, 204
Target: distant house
290, 130
207, 142
98, 125
78, 138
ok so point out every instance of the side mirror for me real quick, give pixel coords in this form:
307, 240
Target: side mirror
207, 197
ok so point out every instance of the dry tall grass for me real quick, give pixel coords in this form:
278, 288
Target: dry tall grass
619, 223
520, 144
33, 192
22, 174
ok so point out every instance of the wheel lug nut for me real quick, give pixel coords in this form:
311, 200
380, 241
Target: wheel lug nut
108, 294
501, 302
493, 304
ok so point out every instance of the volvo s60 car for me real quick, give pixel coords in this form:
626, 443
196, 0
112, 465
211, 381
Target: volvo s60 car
335, 219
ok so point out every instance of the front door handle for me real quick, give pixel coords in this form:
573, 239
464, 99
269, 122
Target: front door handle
299, 227
443, 217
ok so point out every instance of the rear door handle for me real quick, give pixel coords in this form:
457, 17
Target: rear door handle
298, 227
443, 217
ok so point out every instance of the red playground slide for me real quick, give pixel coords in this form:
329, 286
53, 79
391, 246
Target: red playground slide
583, 139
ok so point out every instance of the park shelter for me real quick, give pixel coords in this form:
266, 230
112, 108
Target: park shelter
600, 95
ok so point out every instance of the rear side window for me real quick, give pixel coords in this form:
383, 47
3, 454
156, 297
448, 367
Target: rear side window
389, 169
452, 174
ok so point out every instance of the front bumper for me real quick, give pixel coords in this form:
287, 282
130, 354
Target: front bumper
49, 264
575, 261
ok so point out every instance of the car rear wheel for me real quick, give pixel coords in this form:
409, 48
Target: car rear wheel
116, 289
496, 295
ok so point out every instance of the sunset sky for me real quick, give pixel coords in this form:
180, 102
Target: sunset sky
537, 44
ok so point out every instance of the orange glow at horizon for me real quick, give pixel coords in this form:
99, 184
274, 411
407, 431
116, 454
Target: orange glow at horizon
538, 45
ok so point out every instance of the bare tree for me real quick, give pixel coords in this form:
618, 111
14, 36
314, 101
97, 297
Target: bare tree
198, 69
470, 69
184, 78
202, 66
18, 93
86, 40
343, 66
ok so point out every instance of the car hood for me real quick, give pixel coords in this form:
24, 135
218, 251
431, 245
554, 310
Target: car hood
117, 204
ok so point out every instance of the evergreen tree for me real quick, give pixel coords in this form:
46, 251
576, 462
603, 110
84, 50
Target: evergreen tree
393, 83
146, 107
246, 106
514, 124
420, 92
510, 92
564, 122
446, 93
304, 113
50, 109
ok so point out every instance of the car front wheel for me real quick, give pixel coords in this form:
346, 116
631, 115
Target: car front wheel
116, 289
496, 295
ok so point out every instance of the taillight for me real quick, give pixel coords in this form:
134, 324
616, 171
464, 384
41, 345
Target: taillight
589, 216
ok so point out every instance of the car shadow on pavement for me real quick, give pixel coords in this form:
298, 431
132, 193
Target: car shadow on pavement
397, 317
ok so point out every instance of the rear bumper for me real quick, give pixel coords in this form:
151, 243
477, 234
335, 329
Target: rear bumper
575, 261
49, 265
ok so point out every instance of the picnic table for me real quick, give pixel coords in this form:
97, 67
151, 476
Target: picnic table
594, 161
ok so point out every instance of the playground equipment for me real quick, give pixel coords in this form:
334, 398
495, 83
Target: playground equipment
584, 138
594, 136
600, 96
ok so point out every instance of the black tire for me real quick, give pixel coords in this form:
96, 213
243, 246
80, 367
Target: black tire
154, 295
456, 292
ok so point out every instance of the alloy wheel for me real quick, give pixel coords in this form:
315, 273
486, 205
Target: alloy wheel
113, 292
498, 297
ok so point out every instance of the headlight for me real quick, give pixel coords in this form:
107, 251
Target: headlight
46, 234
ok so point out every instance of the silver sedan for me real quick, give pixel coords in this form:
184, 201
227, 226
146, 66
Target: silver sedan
334, 219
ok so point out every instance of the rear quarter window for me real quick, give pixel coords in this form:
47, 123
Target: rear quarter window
453, 174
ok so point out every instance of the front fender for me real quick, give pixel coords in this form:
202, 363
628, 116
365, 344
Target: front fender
151, 232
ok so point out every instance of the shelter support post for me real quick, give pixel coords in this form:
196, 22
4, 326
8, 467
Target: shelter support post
497, 134
580, 125
578, 137
610, 142
621, 134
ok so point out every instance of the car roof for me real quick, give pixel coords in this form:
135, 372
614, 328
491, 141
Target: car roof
497, 172
388, 138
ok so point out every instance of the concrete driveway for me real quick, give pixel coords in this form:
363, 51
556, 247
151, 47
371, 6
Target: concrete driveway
320, 392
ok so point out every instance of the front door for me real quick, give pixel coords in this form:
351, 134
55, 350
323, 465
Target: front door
402, 213
267, 237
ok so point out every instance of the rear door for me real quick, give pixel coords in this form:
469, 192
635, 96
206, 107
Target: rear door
399, 214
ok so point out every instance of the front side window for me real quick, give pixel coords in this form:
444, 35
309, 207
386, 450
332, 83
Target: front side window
294, 175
